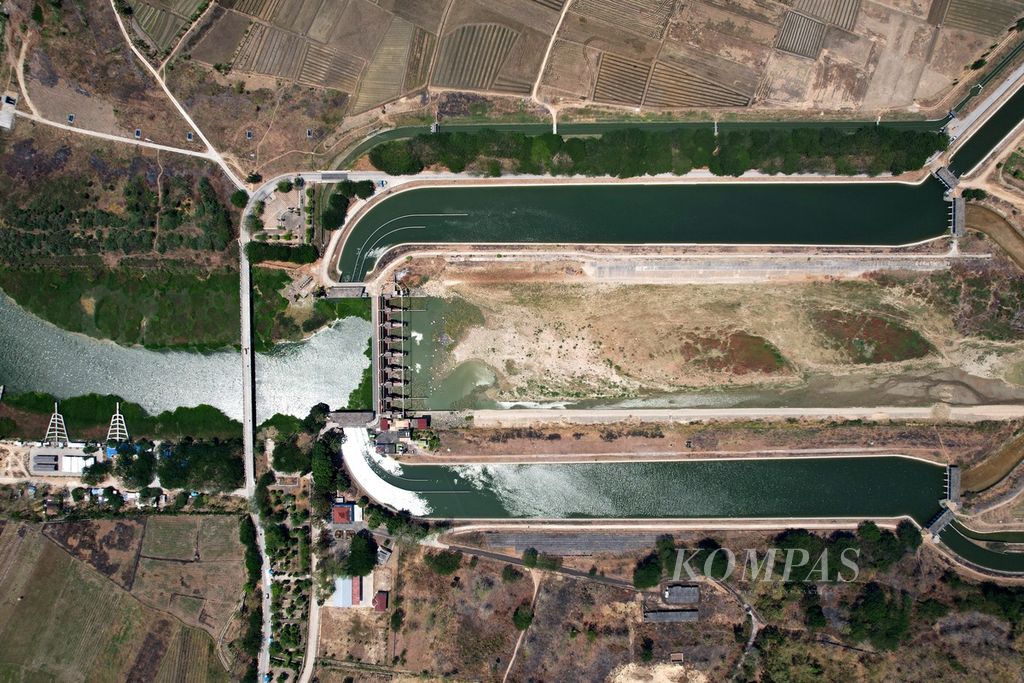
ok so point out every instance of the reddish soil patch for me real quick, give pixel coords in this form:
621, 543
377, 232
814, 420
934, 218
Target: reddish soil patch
110, 546
869, 338
737, 352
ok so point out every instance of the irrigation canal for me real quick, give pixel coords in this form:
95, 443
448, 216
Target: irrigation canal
733, 213
826, 487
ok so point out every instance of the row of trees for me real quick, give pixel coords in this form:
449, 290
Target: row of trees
634, 152
258, 252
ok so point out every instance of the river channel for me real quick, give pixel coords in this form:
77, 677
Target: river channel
38, 356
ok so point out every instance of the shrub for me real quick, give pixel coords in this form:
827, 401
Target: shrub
522, 617
285, 186
647, 573
445, 562
510, 574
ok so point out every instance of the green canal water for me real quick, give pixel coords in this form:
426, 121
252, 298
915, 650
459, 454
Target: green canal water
988, 136
859, 487
970, 545
792, 213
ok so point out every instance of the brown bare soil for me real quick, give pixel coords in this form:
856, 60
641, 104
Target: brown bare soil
458, 625
110, 546
995, 226
80, 64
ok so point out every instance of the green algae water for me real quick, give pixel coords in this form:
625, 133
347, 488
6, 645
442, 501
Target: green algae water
733, 213
989, 135
827, 487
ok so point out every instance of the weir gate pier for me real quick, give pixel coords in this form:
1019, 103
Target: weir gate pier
390, 357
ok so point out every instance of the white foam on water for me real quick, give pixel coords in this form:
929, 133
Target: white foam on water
357, 453
416, 337
551, 405
540, 491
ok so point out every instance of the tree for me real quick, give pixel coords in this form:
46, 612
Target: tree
879, 619
647, 649
239, 198
522, 617
96, 473
396, 158
445, 562
908, 535
7, 427
510, 574
285, 186
362, 555
530, 557
213, 465
647, 573
135, 465
288, 457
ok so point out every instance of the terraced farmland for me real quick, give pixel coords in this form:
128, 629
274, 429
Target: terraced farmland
160, 25
842, 13
419, 59
385, 74
261, 9
330, 69
989, 17
183, 8
620, 80
472, 55
672, 87
271, 51
297, 15
646, 17
801, 35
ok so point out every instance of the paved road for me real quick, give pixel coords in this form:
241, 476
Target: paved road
960, 129
263, 662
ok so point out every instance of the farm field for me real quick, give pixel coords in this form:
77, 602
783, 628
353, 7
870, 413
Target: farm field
61, 620
191, 566
306, 80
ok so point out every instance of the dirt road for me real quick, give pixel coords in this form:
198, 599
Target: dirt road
526, 417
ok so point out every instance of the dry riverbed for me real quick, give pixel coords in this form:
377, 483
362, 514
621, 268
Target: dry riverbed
945, 336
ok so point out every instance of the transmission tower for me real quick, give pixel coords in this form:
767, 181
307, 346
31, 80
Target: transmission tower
56, 433
118, 429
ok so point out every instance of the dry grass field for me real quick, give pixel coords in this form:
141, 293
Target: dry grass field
60, 620
85, 68
191, 566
